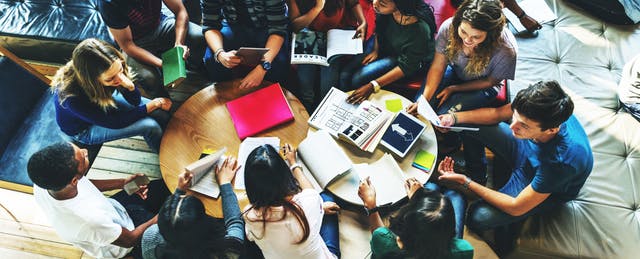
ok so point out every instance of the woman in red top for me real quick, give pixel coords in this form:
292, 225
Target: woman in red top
322, 15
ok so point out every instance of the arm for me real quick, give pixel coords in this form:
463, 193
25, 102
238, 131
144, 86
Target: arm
124, 38
290, 156
233, 222
132, 96
367, 193
181, 24
108, 184
472, 85
131, 238
482, 116
434, 76
526, 200
113, 119
361, 30
364, 91
299, 21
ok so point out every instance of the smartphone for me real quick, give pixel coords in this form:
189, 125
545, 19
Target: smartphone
133, 186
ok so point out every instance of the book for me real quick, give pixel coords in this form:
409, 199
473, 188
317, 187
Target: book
360, 124
203, 171
174, 70
248, 145
260, 110
326, 166
536, 9
425, 110
404, 132
318, 48
251, 56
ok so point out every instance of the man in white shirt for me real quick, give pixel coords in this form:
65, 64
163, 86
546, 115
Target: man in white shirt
80, 213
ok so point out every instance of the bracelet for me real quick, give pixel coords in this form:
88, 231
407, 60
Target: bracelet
466, 183
521, 15
294, 166
455, 118
215, 55
371, 211
376, 86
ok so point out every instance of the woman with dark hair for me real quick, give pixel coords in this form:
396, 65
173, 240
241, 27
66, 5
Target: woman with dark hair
184, 230
402, 47
96, 100
424, 228
285, 217
321, 16
474, 53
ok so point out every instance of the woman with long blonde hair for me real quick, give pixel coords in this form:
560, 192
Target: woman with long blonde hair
96, 100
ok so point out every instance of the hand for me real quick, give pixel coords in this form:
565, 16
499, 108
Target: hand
254, 78
412, 109
186, 52
289, 153
361, 31
229, 59
330, 207
184, 180
445, 120
126, 82
412, 185
445, 94
142, 192
361, 94
165, 103
227, 171
370, 57
445, 168
367, 193
530, 23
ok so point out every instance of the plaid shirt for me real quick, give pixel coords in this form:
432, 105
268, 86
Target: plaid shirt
263, 13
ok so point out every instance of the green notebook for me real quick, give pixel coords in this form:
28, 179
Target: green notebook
173, 67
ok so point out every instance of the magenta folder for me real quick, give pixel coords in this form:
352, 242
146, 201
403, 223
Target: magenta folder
259, 111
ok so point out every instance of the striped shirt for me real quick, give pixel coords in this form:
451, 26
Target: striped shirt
141, 16
266, 13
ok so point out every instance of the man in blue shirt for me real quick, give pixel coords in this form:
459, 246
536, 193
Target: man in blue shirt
545, 146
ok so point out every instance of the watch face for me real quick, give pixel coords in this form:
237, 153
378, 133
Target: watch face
266, 65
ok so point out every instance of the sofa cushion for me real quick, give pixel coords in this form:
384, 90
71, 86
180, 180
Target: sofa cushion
586, 57
48, 30
38, 130
21, 91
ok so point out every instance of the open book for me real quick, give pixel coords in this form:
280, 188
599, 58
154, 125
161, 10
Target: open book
203, 170
425, 110
328, 167
312, 47
536, 9
361, 125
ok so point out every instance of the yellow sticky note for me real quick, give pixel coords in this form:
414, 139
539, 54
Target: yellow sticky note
394, 105
424, 159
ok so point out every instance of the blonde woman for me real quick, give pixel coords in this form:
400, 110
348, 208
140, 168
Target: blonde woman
96, 100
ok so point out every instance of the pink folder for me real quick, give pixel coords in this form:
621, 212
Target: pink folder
259, 111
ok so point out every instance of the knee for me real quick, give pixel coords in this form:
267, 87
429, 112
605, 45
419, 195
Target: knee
479, 216
151, 126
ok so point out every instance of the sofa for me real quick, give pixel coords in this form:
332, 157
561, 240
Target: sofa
48, 30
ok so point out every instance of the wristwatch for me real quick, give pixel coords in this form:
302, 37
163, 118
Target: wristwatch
266, 65
376, 86
371, 211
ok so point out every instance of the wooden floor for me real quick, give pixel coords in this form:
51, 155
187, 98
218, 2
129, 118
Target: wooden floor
26, 233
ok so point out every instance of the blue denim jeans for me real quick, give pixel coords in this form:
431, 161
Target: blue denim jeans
458, 202
239, 35
329, 228
499, 139
146, 127
355, 75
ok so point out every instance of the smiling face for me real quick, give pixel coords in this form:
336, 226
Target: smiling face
384, 6
470, 36
113, 76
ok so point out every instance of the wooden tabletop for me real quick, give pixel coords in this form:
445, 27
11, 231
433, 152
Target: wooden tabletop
203, 122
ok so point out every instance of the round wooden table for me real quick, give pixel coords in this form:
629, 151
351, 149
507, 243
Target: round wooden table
203, 122
347, 187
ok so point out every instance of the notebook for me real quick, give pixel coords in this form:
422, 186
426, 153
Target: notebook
259, 111
173, 67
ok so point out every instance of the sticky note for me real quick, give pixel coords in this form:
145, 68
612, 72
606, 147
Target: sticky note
424, 159
394, 105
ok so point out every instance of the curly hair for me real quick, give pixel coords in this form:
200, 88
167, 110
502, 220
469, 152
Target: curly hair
53, 167
484, 15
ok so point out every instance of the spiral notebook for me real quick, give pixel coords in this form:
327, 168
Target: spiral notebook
259, 111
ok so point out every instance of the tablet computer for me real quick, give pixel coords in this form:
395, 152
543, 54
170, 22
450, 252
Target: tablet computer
402, 134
